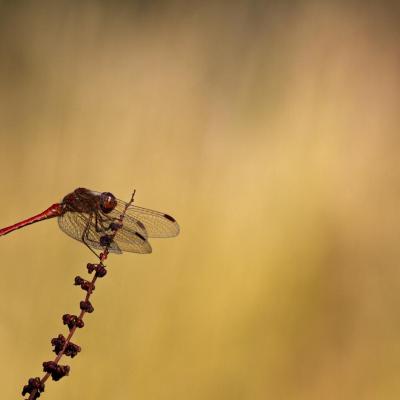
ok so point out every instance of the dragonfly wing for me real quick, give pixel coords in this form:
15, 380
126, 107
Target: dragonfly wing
93, 235
73, 224
132, 241
76, 224
130, 223
132, 236
125, 239
156, 224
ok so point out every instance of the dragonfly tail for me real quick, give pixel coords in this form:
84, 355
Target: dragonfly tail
54, 210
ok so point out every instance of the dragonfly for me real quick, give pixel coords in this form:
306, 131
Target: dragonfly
93, 218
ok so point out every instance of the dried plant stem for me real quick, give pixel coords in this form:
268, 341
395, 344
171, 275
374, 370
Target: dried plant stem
33, 394
36, 385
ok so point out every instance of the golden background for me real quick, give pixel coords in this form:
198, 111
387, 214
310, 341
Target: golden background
270, 130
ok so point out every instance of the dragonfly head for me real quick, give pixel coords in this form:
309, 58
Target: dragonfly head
107, 202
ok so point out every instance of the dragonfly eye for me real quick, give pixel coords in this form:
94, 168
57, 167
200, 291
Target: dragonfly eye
107, 202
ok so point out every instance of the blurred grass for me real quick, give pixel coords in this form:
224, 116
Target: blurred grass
270, 131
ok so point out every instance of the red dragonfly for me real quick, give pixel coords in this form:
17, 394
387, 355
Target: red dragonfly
91, 217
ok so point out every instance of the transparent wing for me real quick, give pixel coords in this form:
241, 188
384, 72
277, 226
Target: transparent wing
153, 223
75, 224
131, 237
129, 223
124, 240
93, 234
84, 227
133, 242
72, 225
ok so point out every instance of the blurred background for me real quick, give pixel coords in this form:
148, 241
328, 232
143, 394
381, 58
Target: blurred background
270, 131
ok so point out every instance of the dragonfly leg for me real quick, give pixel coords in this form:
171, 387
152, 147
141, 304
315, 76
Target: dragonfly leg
96, 225
84, 234
99, 225
102, 222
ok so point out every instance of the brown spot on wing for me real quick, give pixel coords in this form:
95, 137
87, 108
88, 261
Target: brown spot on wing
141, 226
140, 236
169, 218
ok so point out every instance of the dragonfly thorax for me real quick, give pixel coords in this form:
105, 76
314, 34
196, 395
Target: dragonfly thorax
81, 200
